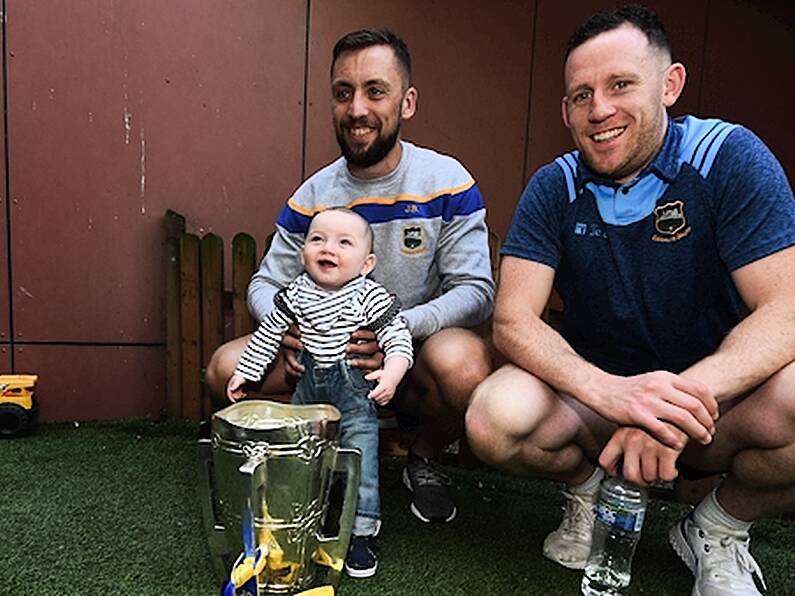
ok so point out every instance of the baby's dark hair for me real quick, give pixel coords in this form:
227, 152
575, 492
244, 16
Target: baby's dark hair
368, 229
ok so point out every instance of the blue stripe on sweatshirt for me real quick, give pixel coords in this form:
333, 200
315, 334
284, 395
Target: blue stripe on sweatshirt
446, 206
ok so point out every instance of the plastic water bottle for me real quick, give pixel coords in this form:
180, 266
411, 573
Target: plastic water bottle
619, 518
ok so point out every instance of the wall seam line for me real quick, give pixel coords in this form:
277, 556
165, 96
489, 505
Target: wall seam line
529, 97
305, 116
703, 60
7, 190
90, 343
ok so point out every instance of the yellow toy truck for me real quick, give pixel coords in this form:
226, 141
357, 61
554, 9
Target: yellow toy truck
17, 404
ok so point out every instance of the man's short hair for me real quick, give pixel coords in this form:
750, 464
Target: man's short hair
638, 16
380, 36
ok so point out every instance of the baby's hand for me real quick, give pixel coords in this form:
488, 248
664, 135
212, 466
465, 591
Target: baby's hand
385, 390
235, 389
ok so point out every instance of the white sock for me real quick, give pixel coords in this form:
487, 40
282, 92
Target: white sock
710, 514
591, 485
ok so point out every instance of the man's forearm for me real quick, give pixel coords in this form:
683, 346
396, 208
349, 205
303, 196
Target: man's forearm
759, 346
280, 266
463, 306
542, 351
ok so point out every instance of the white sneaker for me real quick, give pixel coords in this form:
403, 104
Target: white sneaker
719, 559
570, 544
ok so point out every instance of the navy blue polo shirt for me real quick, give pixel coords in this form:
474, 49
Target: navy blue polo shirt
644, 268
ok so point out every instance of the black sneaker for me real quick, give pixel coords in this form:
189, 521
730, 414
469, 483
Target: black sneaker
362, 560
429, 484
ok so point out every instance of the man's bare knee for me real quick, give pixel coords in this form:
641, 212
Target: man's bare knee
458, 361
222, 364
481, 427
756, 437
499, 416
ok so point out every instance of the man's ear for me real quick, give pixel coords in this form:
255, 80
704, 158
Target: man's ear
369, 264
409, 105
564, 110
673, 83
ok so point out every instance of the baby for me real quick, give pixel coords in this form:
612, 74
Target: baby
330, 300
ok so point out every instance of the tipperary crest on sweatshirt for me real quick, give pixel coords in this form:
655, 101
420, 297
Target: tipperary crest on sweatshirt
413, 240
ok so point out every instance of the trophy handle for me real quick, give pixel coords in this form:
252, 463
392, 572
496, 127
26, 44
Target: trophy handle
256, 471
348, 462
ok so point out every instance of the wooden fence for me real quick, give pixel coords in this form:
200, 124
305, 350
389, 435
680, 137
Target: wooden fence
200, 313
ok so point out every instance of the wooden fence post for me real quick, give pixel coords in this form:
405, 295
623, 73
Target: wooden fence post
175, 228
212, 306
244, 260
191, 326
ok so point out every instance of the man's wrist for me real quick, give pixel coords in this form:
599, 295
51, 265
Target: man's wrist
590, 387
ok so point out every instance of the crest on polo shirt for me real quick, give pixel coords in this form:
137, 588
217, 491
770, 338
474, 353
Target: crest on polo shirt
670, 223
413, 240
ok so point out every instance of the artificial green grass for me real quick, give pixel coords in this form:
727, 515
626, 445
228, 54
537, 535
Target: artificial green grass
113, 508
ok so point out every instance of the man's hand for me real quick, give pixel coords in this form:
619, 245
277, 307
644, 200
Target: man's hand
291, 345
363, 343
646, 460
661, 402
236, 388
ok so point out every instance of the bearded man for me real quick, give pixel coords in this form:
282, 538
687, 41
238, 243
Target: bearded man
431, 240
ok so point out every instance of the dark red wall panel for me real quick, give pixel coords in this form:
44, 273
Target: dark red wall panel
4, 293
471, 63
5, 359
95, 383
120, 110
748, 70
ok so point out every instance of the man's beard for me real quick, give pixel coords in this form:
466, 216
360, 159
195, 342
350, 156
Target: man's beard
376, 152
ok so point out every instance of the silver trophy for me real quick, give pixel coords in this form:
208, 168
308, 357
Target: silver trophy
273, 463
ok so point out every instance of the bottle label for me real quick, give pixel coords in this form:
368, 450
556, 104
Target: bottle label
629, 521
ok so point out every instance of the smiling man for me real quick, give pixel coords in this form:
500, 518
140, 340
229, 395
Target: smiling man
670, 242
367, 123
430, 237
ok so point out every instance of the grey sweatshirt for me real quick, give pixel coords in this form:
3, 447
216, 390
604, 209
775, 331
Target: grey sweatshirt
431, 239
